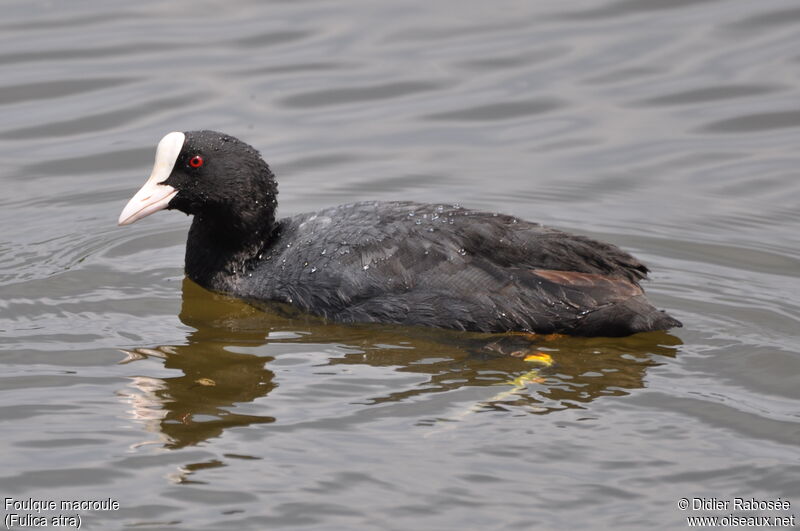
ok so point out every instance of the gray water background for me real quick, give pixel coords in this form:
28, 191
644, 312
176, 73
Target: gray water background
670, 128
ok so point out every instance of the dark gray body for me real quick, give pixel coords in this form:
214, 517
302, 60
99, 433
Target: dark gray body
435, 265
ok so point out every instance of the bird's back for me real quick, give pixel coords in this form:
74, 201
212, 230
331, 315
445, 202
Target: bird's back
443, 265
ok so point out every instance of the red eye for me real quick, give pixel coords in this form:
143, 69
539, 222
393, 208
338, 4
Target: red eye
196, 161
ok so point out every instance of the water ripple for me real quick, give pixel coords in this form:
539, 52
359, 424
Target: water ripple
351, 95
755, 122
499, 111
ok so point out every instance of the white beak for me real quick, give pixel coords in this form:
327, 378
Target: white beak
155, 195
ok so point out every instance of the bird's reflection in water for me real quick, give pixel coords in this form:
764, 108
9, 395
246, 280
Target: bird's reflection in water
219, 374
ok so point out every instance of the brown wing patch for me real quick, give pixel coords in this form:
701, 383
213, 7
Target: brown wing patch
614, 286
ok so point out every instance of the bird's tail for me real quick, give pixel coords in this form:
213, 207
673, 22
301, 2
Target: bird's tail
624, 318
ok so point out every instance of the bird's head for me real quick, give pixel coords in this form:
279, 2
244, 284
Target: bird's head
211, 175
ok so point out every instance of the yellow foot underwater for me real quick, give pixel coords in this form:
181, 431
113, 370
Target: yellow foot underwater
518, 384
541, 358
532, 376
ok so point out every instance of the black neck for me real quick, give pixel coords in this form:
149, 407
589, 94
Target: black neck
218, 251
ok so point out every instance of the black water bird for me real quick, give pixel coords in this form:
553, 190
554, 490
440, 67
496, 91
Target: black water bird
390, 262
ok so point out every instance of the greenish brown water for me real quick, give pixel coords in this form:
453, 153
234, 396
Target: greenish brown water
669, 128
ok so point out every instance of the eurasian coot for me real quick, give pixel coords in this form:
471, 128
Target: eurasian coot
390, 262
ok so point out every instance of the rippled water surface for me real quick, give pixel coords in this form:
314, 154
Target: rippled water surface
670, 128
